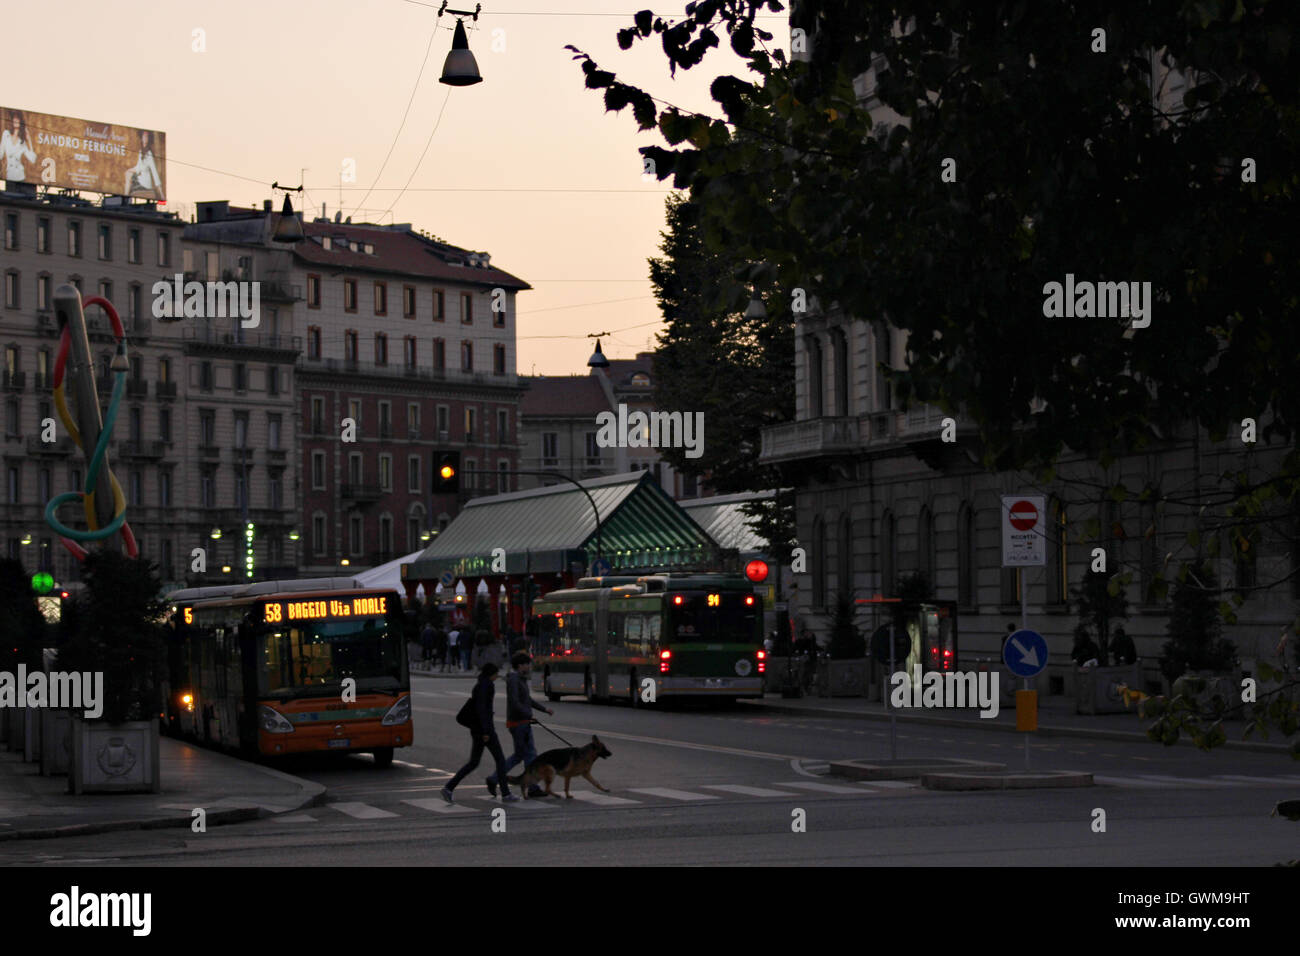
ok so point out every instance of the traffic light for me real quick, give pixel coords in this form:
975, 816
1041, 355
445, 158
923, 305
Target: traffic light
446, 473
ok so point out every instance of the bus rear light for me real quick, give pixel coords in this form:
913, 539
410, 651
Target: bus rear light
665, 657
749, 599
762, 654
677, 599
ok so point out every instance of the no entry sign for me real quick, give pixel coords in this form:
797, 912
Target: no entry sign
1023, 531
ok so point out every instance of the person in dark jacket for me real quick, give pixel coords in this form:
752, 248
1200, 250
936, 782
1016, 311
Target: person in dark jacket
1122, 647
483, 735
519, 717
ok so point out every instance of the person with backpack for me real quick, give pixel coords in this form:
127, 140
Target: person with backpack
453, 652
476, 715
519, 719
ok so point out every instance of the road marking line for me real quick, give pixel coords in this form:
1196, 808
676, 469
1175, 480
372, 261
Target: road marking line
439, 805
540, 803
361, 811
1272, 781
892, 784
745, 791
407, 763
822, 787
296, 818
1126, 781
670, 794
600, 799
1187, 781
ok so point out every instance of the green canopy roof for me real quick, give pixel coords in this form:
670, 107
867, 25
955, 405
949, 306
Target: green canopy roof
724, 521
547, 530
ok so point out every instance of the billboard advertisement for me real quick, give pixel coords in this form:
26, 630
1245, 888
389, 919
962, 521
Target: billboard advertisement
50, 150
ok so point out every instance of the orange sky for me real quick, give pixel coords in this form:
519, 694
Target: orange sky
290, 84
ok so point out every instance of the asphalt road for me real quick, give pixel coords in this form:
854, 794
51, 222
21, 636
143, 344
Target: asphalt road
702, 786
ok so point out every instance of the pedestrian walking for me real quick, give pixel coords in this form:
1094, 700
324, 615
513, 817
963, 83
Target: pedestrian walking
440, 648
1122, 647
466, 647
476, 715
426, 641
453, 652
807, 648
519, 719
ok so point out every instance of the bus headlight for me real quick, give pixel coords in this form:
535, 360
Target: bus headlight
399, 713
273, 722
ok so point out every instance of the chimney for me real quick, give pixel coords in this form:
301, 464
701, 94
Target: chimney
266, 205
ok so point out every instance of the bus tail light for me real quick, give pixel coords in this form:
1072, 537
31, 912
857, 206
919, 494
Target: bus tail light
762, 661
399, 713
947, 660
273, 722
749, 599
665, 658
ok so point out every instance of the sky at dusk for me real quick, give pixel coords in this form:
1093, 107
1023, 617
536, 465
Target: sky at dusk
526, 165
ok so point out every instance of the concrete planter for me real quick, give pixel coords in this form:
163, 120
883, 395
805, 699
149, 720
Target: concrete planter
32, 735
1097, 688
56, 736
843, 678
114, 758
775, 673
15, 728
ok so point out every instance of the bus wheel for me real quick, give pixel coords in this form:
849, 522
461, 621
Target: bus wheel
633, 697
383, 757
546, 688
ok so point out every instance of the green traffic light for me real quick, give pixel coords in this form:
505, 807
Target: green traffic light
42, 582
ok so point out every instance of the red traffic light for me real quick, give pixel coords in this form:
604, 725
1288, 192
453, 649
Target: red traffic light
756, 571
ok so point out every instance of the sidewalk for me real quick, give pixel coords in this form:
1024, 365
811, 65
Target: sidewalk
1056, 718
419, 670
229, 789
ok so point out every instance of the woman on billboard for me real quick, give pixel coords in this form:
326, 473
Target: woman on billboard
14, 148
143, 177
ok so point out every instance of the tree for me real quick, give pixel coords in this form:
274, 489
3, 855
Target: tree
712, 357
1194, 627
846, 642
1098, 609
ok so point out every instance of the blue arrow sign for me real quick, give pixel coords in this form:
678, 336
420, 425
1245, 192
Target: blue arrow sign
600, 567
447, 579
1025, 653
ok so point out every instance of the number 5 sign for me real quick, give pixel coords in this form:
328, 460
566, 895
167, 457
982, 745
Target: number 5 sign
1023, 530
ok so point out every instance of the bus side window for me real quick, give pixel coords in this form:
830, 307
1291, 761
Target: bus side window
616, 640
633, 636
653, 621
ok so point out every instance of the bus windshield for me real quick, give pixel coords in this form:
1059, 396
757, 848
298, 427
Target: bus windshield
719, 618
312, 658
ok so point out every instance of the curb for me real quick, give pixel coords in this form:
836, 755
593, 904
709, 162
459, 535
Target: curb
1047, 780
1044, 730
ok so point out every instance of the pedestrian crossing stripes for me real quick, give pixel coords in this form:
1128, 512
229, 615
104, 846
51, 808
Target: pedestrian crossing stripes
670, 794
362, 811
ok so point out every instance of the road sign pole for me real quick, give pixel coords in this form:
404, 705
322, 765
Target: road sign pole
1024, 626
893, 718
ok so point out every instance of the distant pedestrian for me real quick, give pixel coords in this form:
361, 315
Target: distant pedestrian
453, 652
466, 646
477, 716
1084, 653
440, 647
426, 642
806, 647
1122, 647
519, 719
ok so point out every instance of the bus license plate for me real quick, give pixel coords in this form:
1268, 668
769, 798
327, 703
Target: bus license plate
337, 742
717, 682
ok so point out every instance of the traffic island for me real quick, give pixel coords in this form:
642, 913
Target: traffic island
908, 769
1006, 780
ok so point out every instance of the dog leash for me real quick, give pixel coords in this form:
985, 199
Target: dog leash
550, 731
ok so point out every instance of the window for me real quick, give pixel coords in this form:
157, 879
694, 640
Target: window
105, 241
503, 422
133, 305
467, 356
385, 472
241, 429
11, 360
1058, 545
313, 291
966, 556
15, 485
499, 315
413, 419
466, 308
187, 260
888, 554
1151, 550
385, 535
350, 347
381, 348
318, 471
136, 425
408, 351
43, 292
212, 266
439, 301
11, 290
106, 289
207, 488
241, 377
75, 282
413, 474
43, 485
408, 301
313, 342
354, 410
354, 468
381, 298
165, 488
470, 474
925, 545
816, 393
207, 427
503, 476
42, 234
167, 568
164, 370
690, 486
317, 415
165, 424
844, 556
884, 395
273, 432
349, 295
593, 450
840, 344
385, 419
469, 424
443, 417
550, 447
275, 550
164, 249
136, 486
819, 567
74, 238
275, 489
11, 230
499, 359
273, 380
439, 354
133, 245
412, 533
318, 533
356, 531
205, 376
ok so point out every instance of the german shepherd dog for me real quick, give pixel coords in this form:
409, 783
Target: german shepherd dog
568, 762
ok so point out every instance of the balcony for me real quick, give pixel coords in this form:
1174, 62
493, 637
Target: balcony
13, 381
46, 323
278, 290
385, 430
142, 449
815, 438
44, 381
361, 493
137, 388
413, 433
165, 389
206, 338
62, 446
209, 452
350, 366
274, 455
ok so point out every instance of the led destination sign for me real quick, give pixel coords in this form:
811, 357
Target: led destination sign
280, 612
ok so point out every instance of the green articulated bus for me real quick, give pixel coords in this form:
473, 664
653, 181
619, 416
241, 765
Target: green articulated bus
648, 637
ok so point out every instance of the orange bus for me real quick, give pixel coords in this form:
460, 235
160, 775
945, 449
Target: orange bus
290, 667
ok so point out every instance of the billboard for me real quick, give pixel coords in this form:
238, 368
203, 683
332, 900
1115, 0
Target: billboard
50, 150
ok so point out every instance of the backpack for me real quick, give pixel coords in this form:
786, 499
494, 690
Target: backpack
468, 716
